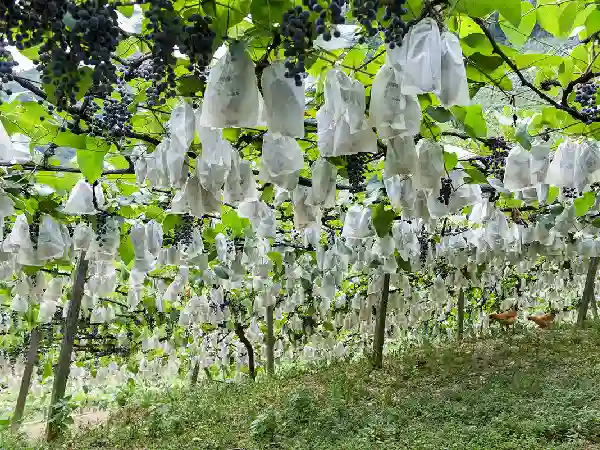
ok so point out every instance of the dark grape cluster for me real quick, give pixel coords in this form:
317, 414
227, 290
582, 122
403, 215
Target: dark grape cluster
445, 191
423, 239
365, 11
183, 230
102, 227
355, 166
585, 95
115, 116
34, 230
26, 21
548, 84
333, 13
6, 66
497, 143
198, 41
570, 192
296, 31
494, 164
89, 36
165, 31
395, 28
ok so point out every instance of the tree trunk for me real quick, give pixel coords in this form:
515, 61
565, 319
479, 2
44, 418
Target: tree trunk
588, 291
270, 341
380, 324
63, 366
460, 309
195, 373
34, 343
239, 330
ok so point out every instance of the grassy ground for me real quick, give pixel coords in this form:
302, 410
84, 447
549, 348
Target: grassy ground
539, 390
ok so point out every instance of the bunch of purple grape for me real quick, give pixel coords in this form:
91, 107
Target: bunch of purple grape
585, 95
445, 191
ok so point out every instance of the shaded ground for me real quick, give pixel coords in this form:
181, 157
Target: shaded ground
35, 430
533, 391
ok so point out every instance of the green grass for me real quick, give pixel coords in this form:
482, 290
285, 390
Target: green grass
539, 390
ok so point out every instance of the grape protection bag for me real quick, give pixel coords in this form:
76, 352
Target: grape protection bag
81, 200
214, 163
240, 184
561, 171
588, 162
282, 160
143, 260
323, 190
305, 214
392, 112
195, 200
231, 98
540, 160
82, 236
50, 240
401, 157
19, 304
517, 174
182, 125
420, 59
284, 102
342, 128
401, 192
454, 89
430, 165
15, 150
357, 223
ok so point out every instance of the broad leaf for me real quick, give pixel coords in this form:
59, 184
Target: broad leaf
382, 219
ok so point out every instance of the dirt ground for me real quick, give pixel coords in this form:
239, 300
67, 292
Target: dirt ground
35, 430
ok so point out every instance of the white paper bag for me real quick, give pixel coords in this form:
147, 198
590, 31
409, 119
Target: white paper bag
561, 171
357, 223
323, 187
517, 173
50, 239
454, 87
284, 102
421, 59
401, 157
392, 112
282, 160
231, 98
81, 199
430, 165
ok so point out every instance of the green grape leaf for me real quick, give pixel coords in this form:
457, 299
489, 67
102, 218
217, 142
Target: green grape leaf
584, 203
382, 219
221, 272
511, 10
553, 192
450, 160
126, 249
518, 35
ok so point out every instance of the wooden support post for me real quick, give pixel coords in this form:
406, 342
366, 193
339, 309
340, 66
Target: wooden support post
588, 291
460, 310
239, 331
270, 341
63, 366
34, 343
379, 339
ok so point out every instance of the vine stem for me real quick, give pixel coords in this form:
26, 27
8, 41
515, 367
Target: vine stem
497, 50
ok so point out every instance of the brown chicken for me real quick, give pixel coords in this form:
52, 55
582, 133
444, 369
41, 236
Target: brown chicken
543, 321
506, 319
